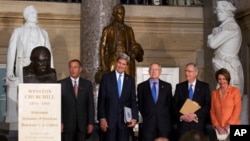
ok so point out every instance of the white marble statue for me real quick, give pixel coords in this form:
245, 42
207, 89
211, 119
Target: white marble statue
226, 40
23, 40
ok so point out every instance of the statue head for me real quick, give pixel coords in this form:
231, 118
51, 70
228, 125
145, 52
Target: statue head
40, 59
224, 9
119, 12
30, 14
39, 71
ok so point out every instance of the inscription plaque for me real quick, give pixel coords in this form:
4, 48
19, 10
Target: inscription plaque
39, 112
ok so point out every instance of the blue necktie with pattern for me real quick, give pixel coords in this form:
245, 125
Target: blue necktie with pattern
154, 91
190, 92
119, 83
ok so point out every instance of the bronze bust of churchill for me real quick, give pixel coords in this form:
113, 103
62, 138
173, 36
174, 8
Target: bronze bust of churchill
39, 71
118, 38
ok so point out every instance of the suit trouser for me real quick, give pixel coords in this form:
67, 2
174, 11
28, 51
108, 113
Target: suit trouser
74, 136
116, 134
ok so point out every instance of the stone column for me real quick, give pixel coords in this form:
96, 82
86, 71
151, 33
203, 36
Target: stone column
209, 23
95, 15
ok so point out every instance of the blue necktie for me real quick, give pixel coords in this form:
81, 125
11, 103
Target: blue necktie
119, 83
153, 90
190, 92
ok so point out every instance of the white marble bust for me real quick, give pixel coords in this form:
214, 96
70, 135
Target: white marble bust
23, 40
226, 41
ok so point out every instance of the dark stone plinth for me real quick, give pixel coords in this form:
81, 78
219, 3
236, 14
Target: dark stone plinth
8, 131
10, 135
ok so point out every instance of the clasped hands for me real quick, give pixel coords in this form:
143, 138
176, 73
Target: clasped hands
104, 124
189, 117
222, 130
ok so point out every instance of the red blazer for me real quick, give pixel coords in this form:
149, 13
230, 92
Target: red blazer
226, 110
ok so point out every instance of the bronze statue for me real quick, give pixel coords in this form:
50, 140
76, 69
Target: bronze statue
39, 70
118, 38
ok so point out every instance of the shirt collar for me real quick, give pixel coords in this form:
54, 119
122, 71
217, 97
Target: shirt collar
72, 79
151, 81
193, 83
117, 74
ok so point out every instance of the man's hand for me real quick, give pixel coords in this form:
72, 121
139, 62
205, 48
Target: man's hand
189, 117
90, 128
132, 123
133, 56
103, 124
62, 127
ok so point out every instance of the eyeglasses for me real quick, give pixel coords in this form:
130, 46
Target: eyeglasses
154, 69
189, 71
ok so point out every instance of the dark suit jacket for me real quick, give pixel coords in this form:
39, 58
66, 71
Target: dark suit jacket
110, 106
201, 95
78, 110
155, 115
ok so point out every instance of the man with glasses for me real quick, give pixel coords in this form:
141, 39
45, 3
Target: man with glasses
196, 91
154, 102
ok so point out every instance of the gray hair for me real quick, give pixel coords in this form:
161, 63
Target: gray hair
194, 65
124, 56
155, 63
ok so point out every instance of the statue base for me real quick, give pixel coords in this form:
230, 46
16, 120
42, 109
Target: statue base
8, 131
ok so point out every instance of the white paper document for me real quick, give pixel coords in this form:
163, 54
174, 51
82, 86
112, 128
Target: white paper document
127, 114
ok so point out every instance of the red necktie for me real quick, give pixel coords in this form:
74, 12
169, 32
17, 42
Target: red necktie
75, 88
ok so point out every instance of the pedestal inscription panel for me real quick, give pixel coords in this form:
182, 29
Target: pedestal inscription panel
39, 112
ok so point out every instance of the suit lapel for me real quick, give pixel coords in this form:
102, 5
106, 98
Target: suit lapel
80, 86
196, 89
161, 90
114, 81
186, 90
125, 84
71, 89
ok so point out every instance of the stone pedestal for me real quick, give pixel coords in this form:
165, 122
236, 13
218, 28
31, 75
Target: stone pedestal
8, 131
12, 107
244, 110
